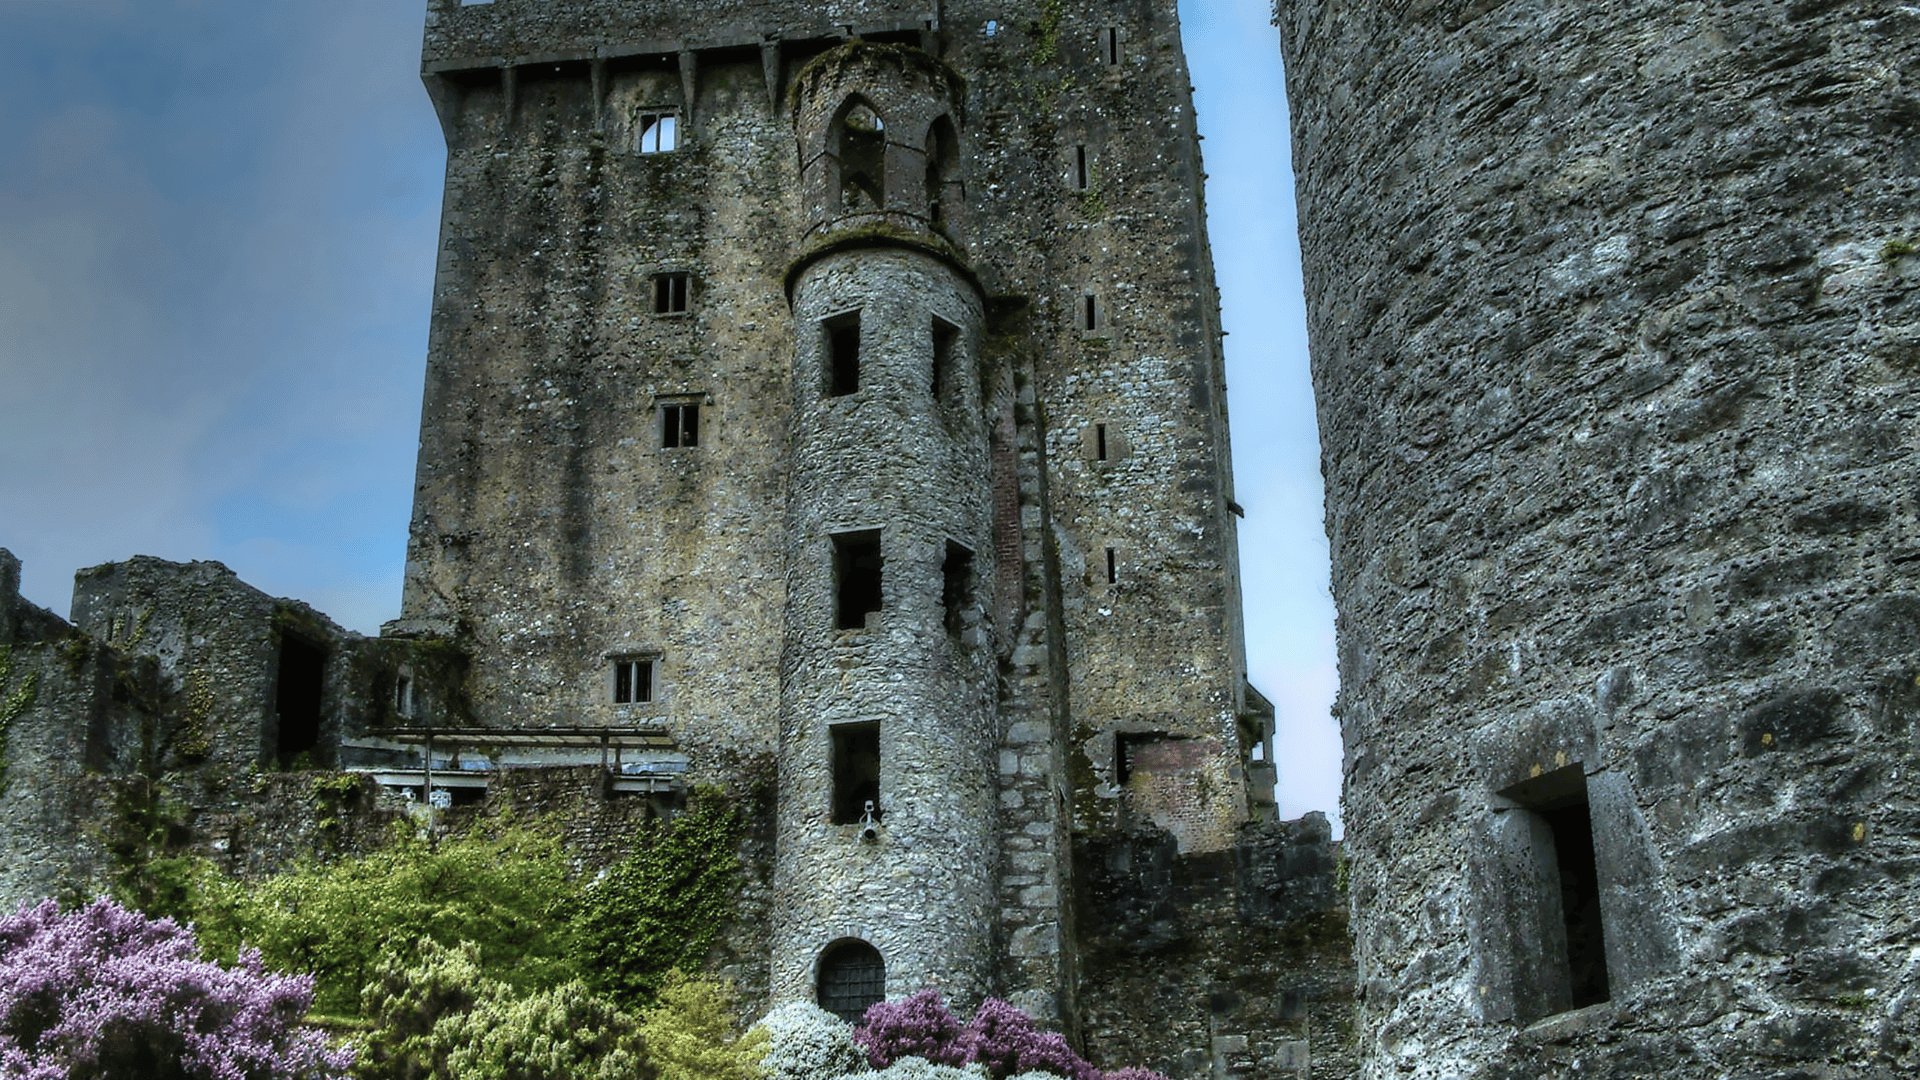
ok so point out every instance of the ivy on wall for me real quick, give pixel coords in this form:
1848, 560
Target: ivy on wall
14, 700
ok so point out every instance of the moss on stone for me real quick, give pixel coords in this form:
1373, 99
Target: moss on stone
14, 701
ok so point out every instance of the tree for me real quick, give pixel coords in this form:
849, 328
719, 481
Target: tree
103, 992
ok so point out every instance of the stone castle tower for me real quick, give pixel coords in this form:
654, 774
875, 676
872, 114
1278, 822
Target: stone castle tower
1615, 321
836, 394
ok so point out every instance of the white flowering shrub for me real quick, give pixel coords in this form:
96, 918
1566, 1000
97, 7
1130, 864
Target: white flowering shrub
918, 1068
806, 1042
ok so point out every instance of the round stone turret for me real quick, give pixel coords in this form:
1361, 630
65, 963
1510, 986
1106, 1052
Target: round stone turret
879, 138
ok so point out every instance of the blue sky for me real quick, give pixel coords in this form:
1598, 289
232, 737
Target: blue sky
217, 229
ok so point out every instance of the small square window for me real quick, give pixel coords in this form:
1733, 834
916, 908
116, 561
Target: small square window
659, 133
680, 425
670, 294
633, 681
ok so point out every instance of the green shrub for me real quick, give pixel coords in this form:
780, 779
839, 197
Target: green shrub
690, 1032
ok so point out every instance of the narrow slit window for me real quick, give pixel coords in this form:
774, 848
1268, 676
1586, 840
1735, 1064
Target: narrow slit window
1560, 899
1113, 567
856, 772
1109, 45
659, 133
632, 681
856, 578
956, 586
945, 335
1090, 312
1082, 177
842, 334
680, 425
669, 294
403, 696
1100, 442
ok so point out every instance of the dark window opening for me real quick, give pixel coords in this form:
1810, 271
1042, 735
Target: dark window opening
659, 133
669, 294
1113, 567
1109, 45
856, 578
1090, 312
680, 425
632, 682
1580, 903
852, 978
863, 159
1559, 901
297, 697
945, 335
464, 796
1100, 442
956, 585
942, 156
1081, 179
856, 772
843, 354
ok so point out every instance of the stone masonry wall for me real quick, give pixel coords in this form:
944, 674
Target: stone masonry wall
1614, 313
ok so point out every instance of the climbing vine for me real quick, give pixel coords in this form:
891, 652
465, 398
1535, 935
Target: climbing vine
664, 906
14, 700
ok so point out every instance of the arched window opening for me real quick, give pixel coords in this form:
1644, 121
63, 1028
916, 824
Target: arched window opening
863, 157
852, 977
943, 155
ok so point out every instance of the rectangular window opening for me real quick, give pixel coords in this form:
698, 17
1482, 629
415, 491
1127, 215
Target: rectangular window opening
856, 578
302, 674
633, 681
403, 696
1090, 312
956, 586
843, 353
1081, 179
680, 425
856, 772
669, 294
1100, 442
1569, 967
659, 133
945, 335
1113, 567
1110, 45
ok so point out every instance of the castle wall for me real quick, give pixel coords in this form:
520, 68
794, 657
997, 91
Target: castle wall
1613, 320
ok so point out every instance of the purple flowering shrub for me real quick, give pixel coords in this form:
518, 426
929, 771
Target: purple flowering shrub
1000, 1038
1008, 1042
918, 1026
103, 992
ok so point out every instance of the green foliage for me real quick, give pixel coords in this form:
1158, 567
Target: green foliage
663, 907
507, 895
690, 1032
190, 736
1895, 250
438, 1014
1046, 31
145, 837
14, 700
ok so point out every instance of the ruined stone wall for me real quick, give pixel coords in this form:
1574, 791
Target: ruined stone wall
1229, 963
1614, 319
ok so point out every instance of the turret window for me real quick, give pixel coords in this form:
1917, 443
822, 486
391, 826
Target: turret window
863, 158
856, 773
856, 578
841, 338
945, 337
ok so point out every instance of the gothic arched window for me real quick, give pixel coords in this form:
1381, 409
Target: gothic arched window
852, 977
862, 139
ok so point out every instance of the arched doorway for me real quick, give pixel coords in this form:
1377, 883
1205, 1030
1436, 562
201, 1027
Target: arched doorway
851, 976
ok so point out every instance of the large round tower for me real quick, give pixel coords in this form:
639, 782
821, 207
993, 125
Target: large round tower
1615, 321
888, 788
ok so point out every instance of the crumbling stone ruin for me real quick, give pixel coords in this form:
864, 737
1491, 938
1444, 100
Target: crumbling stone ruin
1615, 320
825, 406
